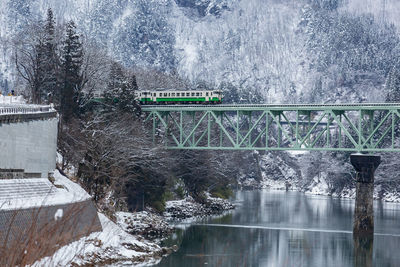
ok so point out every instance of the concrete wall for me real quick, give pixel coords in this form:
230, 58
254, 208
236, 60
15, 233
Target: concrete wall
30, 145
41, 231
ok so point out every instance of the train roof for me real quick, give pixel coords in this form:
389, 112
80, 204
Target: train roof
161, 90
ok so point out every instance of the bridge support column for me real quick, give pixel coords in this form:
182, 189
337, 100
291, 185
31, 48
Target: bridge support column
365, 166
363, 227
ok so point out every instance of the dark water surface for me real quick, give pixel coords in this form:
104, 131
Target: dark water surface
277, 228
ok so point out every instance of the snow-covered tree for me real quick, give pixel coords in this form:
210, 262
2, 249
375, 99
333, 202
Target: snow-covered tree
51, 61
144, 36
71, 63
116, 80
392, 86
120, 91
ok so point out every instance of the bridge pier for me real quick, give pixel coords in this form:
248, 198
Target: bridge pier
365, 166
363, 227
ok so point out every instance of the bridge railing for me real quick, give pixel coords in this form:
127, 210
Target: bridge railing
26, 109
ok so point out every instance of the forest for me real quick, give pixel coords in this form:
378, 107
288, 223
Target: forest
310, 51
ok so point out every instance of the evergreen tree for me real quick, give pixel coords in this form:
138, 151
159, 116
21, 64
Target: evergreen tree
127, 98
392, 86
115, 83
120, 91
50, 61
230, 92
71, 63
145, 38
38, 69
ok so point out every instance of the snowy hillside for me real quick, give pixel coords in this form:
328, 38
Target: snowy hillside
271, 51
258, 44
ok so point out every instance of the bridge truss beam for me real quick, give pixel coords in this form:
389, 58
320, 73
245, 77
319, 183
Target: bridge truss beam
353, 128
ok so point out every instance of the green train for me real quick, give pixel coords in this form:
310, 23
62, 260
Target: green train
171, 97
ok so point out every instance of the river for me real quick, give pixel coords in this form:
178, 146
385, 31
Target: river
278, 228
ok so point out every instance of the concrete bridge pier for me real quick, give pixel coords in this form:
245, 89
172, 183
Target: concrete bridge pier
363, 227
365, 166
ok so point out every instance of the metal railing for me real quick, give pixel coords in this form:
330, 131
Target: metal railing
24, 109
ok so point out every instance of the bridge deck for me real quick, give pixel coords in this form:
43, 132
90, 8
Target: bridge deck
255, 107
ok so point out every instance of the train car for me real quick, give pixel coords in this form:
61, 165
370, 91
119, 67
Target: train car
170, 97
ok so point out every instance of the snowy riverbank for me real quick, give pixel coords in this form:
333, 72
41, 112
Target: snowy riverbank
320, 186
111, 246
307, 172
134, 238
188, 208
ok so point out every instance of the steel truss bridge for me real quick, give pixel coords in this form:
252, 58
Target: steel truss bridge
331, 127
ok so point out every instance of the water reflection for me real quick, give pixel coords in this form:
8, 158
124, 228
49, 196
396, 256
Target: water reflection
288, 229
363, 250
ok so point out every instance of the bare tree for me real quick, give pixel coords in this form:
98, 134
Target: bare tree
29, 56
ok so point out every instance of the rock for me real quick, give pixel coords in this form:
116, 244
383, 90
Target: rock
187, 208
145, 224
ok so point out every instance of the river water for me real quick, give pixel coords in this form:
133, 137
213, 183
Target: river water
278, 228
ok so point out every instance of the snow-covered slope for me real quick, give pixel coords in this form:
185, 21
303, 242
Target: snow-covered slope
250, 44
110, 245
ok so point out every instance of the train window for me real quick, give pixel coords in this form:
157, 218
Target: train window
169, 94
193, 94
173, 94
206, 93
197, 94
187, 94
160, 94
165, 94
178, 94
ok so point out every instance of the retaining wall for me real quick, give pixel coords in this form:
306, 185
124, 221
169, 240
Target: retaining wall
30, 234
29, 142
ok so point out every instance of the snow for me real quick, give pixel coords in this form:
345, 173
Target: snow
319, 185
297, 153
187, 208
110, 245
73, 188
58, 215
143, 223
62, 191
12, 99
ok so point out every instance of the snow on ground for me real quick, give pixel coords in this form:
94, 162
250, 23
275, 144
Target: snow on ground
60, 181
188, 208
319, 186
182, 209
143, 223
297, 152
12, 99
38, 192
276, 185
111, 246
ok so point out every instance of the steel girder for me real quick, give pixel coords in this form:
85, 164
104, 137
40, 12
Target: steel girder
346, 127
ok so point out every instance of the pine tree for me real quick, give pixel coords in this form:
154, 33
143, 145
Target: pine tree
71, 63
114, 86
392, 86
121, 89
50, 62
127, 98
38, 68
